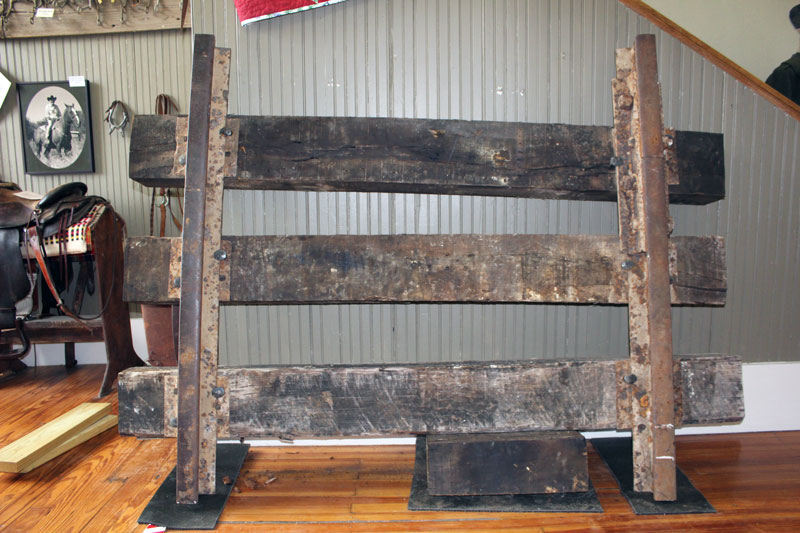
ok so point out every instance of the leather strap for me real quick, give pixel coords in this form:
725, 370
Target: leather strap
33, 239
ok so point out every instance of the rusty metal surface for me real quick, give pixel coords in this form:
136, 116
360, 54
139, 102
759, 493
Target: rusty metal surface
624, 395
632, 400
222, 406
231, 167
181, 139
231, 145
656, 229
671, 157
644, 233
219, 133
174, 286
171, 405
187, 489
174, 282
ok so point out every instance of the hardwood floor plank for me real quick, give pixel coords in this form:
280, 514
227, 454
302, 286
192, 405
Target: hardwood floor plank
120, 512
78, 489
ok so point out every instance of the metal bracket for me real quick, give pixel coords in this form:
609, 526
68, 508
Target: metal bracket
230, 167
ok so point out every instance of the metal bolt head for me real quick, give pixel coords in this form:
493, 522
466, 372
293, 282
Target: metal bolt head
617, 161
173, 422
177, 281
627, 264
182, 160
630, 379
227, 132
217, 392
220, 255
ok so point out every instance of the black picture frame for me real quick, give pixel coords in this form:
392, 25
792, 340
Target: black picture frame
49, 150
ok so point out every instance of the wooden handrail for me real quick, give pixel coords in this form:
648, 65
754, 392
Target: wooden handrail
747, 78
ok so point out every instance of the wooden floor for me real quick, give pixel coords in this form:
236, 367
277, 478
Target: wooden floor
753, 480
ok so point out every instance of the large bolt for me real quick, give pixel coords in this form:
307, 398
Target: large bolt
630, 379
217, 392
220, 255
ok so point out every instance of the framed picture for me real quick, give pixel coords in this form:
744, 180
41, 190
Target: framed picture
56, 128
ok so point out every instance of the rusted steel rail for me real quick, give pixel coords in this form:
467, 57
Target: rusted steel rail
644, 233
213, 254
187, 489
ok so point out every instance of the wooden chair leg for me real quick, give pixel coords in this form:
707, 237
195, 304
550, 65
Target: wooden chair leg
107, 244
69, 355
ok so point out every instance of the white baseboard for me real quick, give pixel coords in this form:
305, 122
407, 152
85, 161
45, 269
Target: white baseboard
771, 395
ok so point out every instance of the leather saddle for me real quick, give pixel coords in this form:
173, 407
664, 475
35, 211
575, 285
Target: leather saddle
57, 210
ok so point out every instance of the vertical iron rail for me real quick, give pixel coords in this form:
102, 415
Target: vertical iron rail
213, 254
188, 441
644, 235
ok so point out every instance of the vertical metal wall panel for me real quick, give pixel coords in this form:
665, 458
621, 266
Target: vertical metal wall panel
510, 60
132, 67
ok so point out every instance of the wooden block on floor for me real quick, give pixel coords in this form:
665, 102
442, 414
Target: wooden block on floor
105, 423
542, 462
26, 451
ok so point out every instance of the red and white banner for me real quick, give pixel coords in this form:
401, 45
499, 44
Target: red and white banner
255, 10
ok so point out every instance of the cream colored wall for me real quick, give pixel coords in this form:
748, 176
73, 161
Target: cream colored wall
756, 34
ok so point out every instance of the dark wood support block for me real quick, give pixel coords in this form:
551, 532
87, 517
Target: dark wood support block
269, 402
426, 268
542, 462
425, 156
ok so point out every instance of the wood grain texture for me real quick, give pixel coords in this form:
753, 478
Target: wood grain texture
103, 484
747, 78
430, 398
426, 156
26, 451
105, 423
71, 21
429, 268
537, 462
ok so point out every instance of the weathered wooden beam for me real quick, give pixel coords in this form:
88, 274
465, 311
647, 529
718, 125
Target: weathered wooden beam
427, 268
428, 398
536, 462
74, 19
425, 156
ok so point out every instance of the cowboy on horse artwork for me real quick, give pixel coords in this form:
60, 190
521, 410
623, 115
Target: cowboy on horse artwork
55, 129
51, 113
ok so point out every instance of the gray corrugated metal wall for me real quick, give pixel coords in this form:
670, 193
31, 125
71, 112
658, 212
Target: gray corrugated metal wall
515, 60
132, 67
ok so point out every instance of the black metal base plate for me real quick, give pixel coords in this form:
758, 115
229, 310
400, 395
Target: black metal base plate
420, 500
163, 511
618, 455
